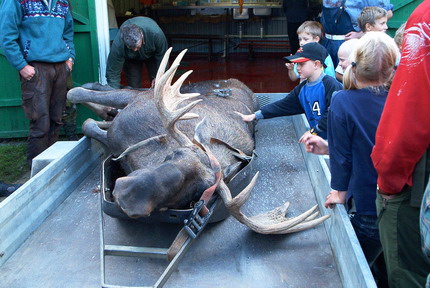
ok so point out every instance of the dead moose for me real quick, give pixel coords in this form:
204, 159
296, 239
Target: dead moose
174, 142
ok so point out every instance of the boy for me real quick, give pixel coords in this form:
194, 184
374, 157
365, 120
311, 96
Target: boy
343, 54
373, 19
310, 31
311, 97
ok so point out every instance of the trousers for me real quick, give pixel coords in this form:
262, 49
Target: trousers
401, 241
43, 102
133, 71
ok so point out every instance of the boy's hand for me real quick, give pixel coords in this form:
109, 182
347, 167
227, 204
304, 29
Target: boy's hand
290, 66
246, 118
314, 144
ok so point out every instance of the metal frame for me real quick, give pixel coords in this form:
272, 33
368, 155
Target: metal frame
135, 251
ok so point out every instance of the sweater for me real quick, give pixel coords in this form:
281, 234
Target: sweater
311, 98
32, 31
352, 121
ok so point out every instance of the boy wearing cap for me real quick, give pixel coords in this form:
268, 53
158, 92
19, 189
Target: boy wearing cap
311, 96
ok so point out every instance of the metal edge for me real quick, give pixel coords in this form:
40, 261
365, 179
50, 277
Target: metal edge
352, 265
27, 208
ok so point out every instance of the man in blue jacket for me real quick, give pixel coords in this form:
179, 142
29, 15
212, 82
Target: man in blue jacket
37, 38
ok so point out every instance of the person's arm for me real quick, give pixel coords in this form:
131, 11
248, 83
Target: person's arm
329, 70
354, 35
115, 63
11, 15
335, 197
330, 87
340, 140
291, 72
314, 144
289, 105
161, 47
68, 38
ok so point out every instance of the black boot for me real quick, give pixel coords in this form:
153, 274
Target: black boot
7, 189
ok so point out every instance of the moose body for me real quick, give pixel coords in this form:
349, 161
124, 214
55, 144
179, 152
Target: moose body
177, 142
171, 176
140, 120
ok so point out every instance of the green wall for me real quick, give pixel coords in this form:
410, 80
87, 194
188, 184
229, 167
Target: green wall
402, 11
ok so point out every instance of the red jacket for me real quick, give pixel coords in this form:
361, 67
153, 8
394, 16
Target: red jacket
403, 134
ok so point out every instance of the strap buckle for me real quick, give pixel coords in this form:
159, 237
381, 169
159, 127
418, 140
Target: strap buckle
195, 223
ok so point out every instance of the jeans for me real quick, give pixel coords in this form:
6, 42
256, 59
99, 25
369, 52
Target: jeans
367, 232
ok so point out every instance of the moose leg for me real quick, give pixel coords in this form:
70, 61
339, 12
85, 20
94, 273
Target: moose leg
92, 129
118, 98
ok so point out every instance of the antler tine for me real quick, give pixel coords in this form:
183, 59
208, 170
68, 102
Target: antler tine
167, 98
163, 64
177, 63
272, 222
179, 97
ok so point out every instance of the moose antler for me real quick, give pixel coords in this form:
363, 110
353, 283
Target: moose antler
272, 222
167, 98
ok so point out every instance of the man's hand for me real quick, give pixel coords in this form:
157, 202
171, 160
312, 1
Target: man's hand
353, 34
27, 72
70, 64
246, 118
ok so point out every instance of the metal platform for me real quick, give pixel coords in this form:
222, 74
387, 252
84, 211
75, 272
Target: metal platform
64, 250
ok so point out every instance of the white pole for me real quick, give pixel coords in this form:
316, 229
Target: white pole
102, 37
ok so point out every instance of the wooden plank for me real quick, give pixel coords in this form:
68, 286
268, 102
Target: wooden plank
23, 211
353, 268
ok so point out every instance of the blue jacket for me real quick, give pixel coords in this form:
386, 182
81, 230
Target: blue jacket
311, 98
32, 31
352, 121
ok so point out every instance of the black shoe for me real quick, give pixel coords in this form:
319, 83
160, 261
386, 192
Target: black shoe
7, 189
73, 137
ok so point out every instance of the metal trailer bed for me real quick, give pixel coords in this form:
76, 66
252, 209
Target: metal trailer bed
50, 236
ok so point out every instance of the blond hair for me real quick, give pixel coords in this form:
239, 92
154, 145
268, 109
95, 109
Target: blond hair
372, 61
398, 37
313, 28
369, 15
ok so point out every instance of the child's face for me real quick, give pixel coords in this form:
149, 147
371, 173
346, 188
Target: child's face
307, 69
305, 38
343, 59
380, 25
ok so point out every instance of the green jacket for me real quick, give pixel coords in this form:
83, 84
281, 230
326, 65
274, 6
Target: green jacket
155, 46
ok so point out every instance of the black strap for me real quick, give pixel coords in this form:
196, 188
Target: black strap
339, 13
